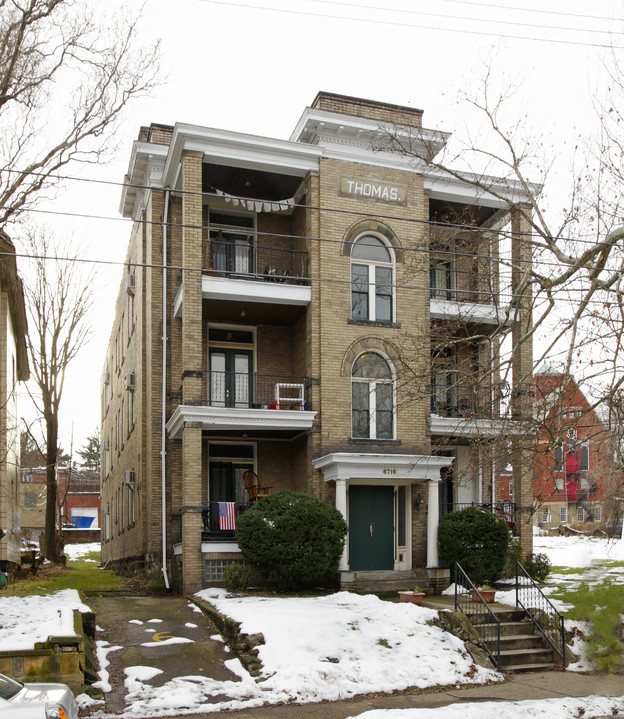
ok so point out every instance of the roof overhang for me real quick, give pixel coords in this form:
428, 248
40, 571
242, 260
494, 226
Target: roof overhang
387, 467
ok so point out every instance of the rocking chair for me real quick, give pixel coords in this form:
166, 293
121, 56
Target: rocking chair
254, 490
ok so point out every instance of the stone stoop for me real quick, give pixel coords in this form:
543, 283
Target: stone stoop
522, 647
382, 582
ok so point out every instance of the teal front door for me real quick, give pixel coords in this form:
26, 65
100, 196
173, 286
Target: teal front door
371, 527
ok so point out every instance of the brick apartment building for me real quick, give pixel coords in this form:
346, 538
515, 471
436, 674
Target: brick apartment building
295, 333
13, 369
576, 479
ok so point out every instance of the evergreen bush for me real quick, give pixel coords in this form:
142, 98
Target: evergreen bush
295, 540
236, 577
478, 540
538, 566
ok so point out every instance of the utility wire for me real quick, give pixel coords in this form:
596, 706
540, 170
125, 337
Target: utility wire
392, 23
319, 208
526, 9
463, 17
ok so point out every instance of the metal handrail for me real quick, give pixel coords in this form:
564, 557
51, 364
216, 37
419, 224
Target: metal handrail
541, 611
476, 608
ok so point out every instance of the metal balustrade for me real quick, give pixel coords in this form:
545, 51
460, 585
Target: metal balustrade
244, 390
246, 261
210, 521
506, 510
463, 400
469, 601
537, 606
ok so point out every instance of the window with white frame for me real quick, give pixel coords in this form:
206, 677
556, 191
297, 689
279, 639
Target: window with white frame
372, 272
584, 457
580, 514
372, 398
545, 514
598, 514
563, 514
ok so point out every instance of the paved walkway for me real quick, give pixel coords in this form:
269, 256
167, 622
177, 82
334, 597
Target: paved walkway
206, 656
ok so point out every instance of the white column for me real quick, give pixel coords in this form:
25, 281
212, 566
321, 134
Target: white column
341, 506
433, 519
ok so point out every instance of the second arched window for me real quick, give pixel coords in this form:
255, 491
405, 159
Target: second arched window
372, 398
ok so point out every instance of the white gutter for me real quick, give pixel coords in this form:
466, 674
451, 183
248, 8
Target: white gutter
163, 436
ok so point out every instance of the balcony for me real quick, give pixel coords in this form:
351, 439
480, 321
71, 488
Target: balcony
468, 411
211, 531
242, 271
467, 295
258, 404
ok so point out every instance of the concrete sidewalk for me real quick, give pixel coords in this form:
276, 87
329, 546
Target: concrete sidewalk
519, 687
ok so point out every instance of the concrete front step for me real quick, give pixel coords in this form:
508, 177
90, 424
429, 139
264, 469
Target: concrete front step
528, 667
520, 657
522, 641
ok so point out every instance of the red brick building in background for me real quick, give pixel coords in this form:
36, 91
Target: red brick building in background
79, 493
575, 476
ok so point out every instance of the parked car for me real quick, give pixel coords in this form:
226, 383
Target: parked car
614, 527
36, 701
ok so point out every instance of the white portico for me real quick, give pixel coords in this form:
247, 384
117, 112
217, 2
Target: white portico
380, 517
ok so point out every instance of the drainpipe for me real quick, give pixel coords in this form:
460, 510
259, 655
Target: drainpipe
163, 435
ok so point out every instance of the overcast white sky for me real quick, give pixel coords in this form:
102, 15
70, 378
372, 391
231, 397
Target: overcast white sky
252, 66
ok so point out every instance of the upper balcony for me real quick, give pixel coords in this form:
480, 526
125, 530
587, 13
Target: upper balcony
468, 410
242, 271
257, 404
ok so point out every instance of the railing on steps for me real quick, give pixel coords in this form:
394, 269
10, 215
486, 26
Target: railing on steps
537, 606
471, 603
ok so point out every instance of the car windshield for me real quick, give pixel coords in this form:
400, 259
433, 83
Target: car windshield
8, 687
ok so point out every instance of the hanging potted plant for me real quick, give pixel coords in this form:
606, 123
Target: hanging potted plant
415, 596
485, 591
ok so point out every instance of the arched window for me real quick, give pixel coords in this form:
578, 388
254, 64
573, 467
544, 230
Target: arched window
372, 269
372, 398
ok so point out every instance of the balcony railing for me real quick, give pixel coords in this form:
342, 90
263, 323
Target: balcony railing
243, 390
211, 522
247, 261
459, 400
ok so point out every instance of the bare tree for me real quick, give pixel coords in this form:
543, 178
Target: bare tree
66, 74
552, 279
59, 297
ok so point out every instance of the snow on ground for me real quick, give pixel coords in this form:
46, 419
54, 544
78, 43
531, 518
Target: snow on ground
349, 644
567, 708
26, 620
76, 551
579, 551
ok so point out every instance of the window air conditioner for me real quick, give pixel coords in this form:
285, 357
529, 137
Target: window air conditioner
130, 284
106, 378
129, 477
106, 444
105, 509
129, 380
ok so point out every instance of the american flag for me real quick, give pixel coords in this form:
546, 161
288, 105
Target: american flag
227, 515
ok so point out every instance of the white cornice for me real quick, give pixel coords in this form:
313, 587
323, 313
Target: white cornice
386, 467
239, 150
145, 169
236, 418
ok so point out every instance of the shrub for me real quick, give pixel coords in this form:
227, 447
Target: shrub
236, 577
538, 566
477, 540
294, 539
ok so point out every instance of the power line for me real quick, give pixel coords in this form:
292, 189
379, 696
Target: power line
463, 17
392, 23
318, 208
526, 9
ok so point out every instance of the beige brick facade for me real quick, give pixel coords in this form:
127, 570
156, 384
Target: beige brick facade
262, 336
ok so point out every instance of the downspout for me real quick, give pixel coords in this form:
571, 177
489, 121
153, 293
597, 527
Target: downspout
163, 437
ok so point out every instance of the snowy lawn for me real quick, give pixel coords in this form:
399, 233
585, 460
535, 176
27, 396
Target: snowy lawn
26, 620
346, 644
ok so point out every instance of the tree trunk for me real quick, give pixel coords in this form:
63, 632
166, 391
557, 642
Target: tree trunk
51, 544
